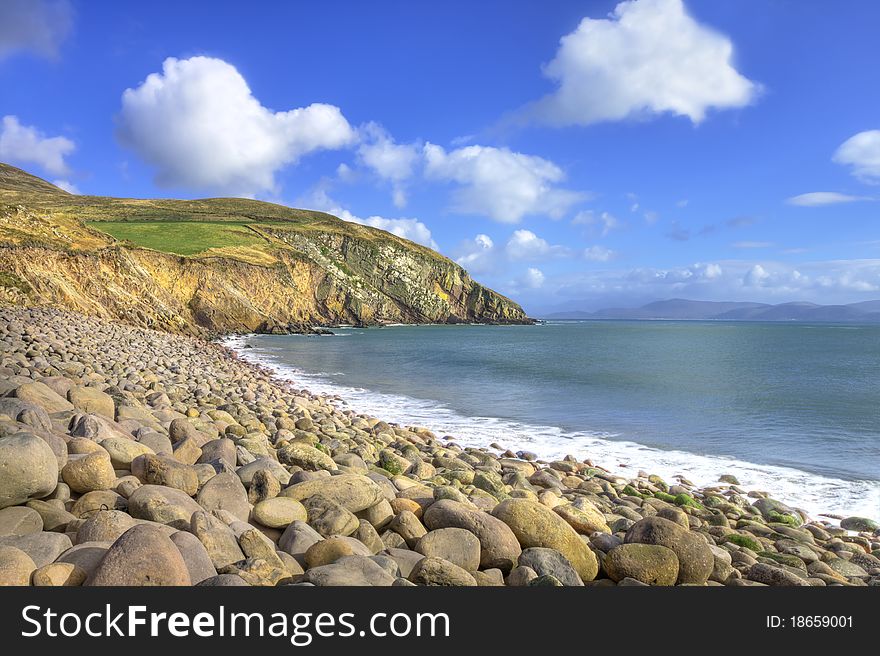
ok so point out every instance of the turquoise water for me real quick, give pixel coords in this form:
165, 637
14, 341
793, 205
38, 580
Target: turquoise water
784, 405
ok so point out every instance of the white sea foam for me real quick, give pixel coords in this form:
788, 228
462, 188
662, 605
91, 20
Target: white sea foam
811, 492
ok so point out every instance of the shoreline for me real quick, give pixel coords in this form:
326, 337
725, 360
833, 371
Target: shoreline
122, 437
621, 457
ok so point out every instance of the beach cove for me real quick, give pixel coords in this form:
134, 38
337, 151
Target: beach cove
134, 457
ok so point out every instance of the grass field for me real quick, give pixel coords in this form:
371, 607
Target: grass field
182, 237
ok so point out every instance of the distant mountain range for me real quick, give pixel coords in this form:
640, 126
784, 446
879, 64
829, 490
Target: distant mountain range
683, 309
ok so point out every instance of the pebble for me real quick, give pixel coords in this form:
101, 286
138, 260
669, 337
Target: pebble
136, 457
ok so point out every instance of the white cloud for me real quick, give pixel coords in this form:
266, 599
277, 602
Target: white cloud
648, 57
36, 25
199, 124
499, 183
826, 282
534, 278
389, 160
411, 229
818, 198
526, 245
25, 144
757, 276
861, 152
603, 223
345, 173
477, 255
67, 186
598, 254
407, 228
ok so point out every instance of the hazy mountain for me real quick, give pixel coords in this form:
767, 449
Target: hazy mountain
683, 309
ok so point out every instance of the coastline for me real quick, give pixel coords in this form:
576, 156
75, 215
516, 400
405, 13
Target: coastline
818, 494
174, 437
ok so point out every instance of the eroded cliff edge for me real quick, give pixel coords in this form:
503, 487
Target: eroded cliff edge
265, 268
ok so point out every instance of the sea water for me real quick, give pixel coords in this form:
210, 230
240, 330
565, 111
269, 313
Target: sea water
789, 408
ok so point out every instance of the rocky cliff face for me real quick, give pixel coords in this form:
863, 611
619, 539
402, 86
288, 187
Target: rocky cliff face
307, 268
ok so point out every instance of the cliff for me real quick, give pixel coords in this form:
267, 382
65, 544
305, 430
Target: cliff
222, 265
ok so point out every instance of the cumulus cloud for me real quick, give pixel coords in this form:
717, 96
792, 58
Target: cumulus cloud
407, 228
25, 144
533, 278
526, 245
499, 183
648, 57
39, 26
861, 152
477, 255
601, 223
827, 282
818, 198
200, 126
389, 160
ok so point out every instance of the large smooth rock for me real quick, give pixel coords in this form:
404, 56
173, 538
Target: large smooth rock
27, 413
349, 571
225, 492
168, 472
499, 546
652, 564
862, 524
305, 456
28, 469
54, 517
327, 552
58, 575
439, 572
297, 538
772, 575
123, 451
16, 567
104, 526
143, 556
162, 504
329, 518
535, 525
246, 472
352, 492
89, 473
695, 559
86, 556
219, 540
92, 400
43, 396
279, 512
43, 548
549, 562
20, 520
456, 545
584, 518
198, 561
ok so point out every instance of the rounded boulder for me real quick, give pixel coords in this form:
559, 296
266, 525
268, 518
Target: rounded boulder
536, 525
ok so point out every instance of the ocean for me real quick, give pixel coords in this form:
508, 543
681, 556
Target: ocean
789, 408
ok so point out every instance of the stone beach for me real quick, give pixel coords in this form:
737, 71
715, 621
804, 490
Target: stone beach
135, 457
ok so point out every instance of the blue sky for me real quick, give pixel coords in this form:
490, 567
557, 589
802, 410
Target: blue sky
569, 154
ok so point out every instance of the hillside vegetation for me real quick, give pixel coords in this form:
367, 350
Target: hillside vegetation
222, 264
